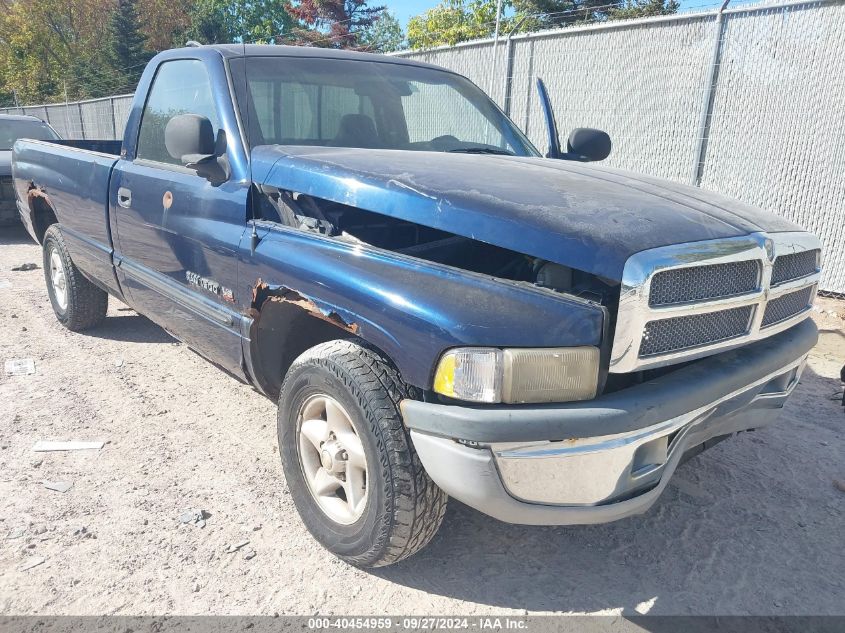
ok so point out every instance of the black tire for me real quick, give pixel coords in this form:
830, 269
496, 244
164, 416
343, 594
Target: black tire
404, 507
86, 303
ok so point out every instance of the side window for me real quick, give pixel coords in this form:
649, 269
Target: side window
180, 87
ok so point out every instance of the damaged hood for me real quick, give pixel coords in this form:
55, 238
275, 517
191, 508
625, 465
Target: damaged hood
587, 217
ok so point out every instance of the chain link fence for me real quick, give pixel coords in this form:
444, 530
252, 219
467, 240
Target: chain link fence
747, 101
90, 119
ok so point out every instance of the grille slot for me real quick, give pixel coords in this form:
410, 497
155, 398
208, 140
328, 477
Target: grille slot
700, 283
794, 266
686, 332
788, 305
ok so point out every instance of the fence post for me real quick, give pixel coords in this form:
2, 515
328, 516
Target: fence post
113, 121
707, 101
506, 105
81, 120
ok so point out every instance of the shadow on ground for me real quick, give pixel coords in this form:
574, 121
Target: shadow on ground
130, 328
737, 531
14, 234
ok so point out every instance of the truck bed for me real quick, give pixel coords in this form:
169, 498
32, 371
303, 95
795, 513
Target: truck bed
72, 178
101, 146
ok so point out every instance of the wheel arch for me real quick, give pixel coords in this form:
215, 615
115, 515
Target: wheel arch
42, 213
284, 326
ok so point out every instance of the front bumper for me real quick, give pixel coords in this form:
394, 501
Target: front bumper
603, 460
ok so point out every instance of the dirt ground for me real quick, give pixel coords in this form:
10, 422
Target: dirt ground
753, 526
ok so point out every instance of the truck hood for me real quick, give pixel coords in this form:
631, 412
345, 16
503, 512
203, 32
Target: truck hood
587, 217
6, 163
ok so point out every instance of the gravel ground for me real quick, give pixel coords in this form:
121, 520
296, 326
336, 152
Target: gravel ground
753, 526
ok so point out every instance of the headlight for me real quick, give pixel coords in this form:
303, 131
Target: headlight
478, 374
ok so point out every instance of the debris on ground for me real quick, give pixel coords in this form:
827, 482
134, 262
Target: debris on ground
118, 362
58, 486
839, 484
249, 554
15, 533
82, 532
20, 366
35, 562
195, 517
234, 548
47, 446
25, 267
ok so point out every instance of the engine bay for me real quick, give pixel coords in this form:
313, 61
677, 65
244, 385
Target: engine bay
349, 223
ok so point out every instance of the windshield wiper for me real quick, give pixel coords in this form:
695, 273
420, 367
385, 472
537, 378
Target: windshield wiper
482, 150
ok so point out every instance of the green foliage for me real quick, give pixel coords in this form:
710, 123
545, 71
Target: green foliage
644, 8
384, 35
126, 46
120, 63
454, 21
551, 14
224, 21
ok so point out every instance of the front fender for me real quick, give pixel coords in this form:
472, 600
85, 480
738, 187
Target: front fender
413, 310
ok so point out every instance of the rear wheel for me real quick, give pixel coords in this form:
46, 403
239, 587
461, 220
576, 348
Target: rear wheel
77, 302
348, 459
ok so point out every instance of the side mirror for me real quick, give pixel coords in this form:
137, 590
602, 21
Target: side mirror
588, 144
189, 138
584, 144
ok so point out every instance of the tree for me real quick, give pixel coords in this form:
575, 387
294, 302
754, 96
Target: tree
224, 21
333, 23
126, 45
165, 23
552, 14
454, 21
644, 8
385, 35
44, 45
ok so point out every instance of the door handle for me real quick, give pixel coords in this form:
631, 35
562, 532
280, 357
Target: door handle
124, 197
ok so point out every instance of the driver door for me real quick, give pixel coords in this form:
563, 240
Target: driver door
178, 232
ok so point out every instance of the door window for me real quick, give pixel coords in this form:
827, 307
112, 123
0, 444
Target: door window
179, 87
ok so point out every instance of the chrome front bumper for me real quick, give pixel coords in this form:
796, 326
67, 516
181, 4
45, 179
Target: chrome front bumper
599, 478
597, 470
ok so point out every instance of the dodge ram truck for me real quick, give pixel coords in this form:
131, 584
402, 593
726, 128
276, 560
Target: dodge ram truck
438, 309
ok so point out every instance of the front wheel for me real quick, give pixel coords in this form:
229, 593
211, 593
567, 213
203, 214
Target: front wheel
78, 303
352, 471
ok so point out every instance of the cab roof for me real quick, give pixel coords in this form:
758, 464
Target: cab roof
230, 51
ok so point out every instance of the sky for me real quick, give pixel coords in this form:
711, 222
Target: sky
405, 9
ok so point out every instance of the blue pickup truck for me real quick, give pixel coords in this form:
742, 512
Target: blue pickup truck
438, 309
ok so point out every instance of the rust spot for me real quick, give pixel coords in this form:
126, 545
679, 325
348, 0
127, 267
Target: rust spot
34, 192
262, 292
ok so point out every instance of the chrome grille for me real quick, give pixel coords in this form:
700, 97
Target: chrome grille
684, 301
686, 332
697, 283
788, 305
794, 266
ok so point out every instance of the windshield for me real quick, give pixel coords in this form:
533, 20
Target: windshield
11, 130
369, 104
